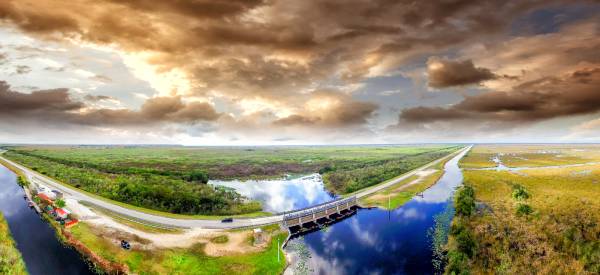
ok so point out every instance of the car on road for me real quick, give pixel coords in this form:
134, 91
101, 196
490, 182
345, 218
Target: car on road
227, 220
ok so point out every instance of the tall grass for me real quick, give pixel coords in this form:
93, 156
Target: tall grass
11, 262
544, 221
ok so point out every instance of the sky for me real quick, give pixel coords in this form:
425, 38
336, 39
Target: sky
253, 72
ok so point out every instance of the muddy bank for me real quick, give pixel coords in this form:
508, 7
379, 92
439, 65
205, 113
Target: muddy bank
99, 262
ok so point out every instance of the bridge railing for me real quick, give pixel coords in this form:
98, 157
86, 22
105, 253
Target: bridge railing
317, 208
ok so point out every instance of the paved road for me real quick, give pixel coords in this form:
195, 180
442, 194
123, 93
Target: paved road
186, 223
369, 191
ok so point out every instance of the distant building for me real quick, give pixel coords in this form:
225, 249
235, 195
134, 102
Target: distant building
61, 213
45, 190
70, 223
45, 198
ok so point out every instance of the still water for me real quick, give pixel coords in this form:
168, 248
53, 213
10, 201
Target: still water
283, 194
377, 241
501, 167
42, 252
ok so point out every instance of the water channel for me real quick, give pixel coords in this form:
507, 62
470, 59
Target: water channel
36, 240
373, 241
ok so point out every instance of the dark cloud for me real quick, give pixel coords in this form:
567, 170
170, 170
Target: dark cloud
153, 111
575, 93
259, 48
58, 107
52, 102
276, 52
444, 73
196, 9
426, 114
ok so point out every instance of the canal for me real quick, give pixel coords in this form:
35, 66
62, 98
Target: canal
41, 250
376, 241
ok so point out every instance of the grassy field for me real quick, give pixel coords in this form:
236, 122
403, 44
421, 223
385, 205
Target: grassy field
191, 260
478, 157
11, 262
544, 221
173, 179
227, 162
531, 155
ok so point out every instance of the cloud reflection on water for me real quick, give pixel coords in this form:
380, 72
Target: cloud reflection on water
281, 195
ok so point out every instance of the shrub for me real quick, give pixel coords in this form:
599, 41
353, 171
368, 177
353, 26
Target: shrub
458, 263
197, 175
524, 209
220, 239
465, 201
328, 168
465, 242
22, 181
519, 193
60, 203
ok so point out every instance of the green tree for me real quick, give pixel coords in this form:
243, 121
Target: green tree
465, 201
60, 203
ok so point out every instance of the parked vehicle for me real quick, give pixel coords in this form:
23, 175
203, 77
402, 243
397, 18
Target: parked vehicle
125, 245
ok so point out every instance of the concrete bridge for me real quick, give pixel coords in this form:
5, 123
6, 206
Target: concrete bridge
320, 214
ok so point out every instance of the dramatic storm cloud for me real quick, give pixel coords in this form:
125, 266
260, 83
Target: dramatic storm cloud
202, 71
548, 97
57, 106
446, 73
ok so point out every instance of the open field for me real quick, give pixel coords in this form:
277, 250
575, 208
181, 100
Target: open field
542, 219
172, 179
532, 155
11, 262
194, 259
478, 157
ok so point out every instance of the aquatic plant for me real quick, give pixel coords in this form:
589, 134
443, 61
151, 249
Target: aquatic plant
301, 267
438, 235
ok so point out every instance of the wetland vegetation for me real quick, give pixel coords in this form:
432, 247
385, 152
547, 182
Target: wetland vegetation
402, 192
513, 222
11, 262
173, 179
